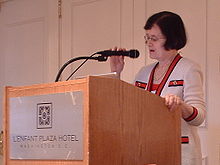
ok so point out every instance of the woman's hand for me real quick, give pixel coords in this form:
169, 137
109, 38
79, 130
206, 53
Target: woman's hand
117, 62
173, 102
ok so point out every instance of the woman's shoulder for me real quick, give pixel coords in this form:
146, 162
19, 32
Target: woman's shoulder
188, 63
147, 68
144, 72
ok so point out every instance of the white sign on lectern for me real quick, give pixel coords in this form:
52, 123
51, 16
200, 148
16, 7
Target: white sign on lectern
47, 127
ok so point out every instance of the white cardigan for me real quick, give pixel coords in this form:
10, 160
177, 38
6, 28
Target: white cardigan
185, 81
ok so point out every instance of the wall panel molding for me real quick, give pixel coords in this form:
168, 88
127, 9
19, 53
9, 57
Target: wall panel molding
83, 2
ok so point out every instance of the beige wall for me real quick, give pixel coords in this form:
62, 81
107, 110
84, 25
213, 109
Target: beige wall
213, 82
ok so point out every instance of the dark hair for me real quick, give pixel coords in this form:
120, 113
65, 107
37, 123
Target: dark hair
171, 26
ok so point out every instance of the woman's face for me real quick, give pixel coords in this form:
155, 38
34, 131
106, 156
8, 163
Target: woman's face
155, 41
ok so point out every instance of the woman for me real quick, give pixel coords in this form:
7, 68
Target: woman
173, 77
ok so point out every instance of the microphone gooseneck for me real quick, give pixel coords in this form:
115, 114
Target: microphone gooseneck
99, 58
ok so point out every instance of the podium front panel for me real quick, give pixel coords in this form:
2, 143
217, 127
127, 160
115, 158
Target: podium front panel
66, 134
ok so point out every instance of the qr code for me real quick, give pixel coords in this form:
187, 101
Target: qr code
44, 115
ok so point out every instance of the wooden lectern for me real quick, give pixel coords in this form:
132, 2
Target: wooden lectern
123, 124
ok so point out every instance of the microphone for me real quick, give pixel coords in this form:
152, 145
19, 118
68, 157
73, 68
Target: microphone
133, 53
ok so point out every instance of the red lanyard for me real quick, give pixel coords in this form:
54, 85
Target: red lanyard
165, 78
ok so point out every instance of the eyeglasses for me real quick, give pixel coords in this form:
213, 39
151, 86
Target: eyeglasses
153, 38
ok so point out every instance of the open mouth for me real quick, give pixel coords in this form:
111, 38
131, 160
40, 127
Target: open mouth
151, 50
